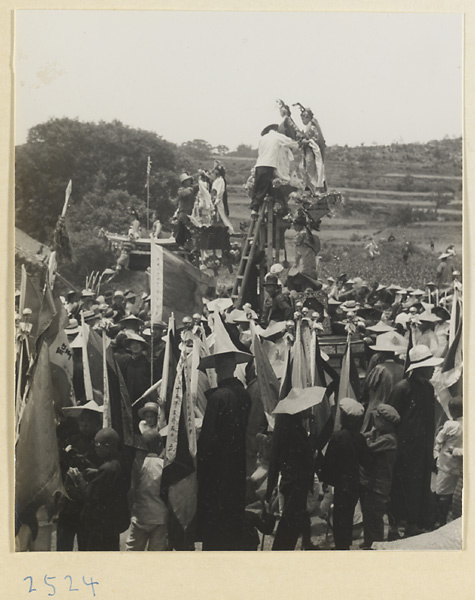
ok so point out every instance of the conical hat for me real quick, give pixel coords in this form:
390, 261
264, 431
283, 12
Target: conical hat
219, 304
222, 346
380, 327
77, 410
393, 343
299, 400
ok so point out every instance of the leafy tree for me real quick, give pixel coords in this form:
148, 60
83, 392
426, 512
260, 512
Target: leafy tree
244, 150
63, 149
221, 149
197, 149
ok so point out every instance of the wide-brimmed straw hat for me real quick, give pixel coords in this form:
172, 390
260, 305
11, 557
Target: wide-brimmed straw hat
350, 305
393, 343
75, 411
420, 356
72, 327
299, 400
223, 346
380, 327
148, 407
184, 177
428, 317
133, 337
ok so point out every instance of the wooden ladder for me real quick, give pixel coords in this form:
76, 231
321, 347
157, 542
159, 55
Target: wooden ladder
249, 249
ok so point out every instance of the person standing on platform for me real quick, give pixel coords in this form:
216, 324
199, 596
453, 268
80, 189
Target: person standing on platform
270, 146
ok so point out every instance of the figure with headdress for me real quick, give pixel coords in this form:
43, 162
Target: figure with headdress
313, 147
219, 195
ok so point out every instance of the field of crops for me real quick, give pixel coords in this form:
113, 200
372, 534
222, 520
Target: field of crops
344, 240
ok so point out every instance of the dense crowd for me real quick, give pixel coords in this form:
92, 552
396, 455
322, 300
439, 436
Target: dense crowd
275, 433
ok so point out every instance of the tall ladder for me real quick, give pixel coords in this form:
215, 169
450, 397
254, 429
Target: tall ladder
249, 250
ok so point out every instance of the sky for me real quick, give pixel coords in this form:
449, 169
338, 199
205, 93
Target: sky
369, 77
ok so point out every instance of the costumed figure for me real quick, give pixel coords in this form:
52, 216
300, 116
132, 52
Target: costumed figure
219, 196
313, 147
303, 274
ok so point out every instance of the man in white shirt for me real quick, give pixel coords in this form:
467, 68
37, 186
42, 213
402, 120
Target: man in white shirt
270, 146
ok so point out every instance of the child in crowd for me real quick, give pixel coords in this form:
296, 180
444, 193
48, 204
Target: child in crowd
149, 512
448, 453
149, 415
105, 513
76, 453
376, 479
347, 450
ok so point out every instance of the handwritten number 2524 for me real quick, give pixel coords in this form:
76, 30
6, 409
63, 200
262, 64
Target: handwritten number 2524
48, 581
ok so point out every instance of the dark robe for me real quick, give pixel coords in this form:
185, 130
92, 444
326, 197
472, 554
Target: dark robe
347, 450
222, 467
414, 400
292, 456
105, 513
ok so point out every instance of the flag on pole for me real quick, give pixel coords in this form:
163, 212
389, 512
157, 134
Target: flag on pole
37, 472
61, 243
322, 413
176, 286
349, 381
61, 358
179, 472
266, 378
106, 417
447, 379
31, 298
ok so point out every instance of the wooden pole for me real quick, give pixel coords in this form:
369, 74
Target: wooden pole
85, 362
106, 419
67, 195
149, 164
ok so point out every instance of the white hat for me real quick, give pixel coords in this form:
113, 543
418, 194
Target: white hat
392, 343
420, 356
77, 410
185, 177
276, 269
148, 407
133, 337
223, 345
380, 327
428, 317
402, 318
299, 400
351, 407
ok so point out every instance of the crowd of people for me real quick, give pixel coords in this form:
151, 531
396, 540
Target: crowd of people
274, 431
395, 447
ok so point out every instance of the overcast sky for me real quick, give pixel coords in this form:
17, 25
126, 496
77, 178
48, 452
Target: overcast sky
369, 77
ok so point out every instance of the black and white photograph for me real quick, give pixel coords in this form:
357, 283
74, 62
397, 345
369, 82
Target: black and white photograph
238, 291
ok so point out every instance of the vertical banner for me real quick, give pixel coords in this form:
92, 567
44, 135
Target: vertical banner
106, 420
176, 285
156, 283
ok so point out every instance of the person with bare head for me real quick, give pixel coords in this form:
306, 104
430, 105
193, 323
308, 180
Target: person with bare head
148, 509
105, 513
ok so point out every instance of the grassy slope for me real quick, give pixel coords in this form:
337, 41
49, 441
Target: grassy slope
368, 171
